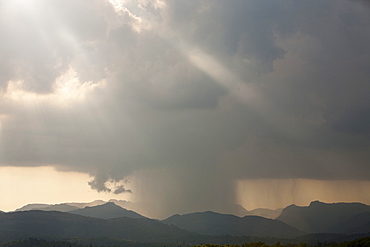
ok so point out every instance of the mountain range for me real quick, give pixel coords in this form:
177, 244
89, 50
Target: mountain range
58, 225
321, 217
145, 208
63, 207
99, 219
108, 210
211, 223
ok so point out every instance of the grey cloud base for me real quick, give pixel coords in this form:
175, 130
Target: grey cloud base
301, 110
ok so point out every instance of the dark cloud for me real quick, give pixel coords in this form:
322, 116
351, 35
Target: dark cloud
280, 90
99, 183
244, 30
121, 189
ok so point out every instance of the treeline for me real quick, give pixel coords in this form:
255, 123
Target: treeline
34, 242
361, 242
97, 242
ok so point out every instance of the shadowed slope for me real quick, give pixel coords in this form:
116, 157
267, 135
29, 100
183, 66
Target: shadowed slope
58, 224
222, 224
64, 207
321, 217
107, 211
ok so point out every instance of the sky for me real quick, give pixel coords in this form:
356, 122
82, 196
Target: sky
184, 105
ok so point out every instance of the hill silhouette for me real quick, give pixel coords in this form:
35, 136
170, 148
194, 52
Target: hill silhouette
348, 225
321, 217
33, 206
53, 224
223, 229
59, 207
108, 210
212, 223
86, 204
266, 213
62, 207
238, 210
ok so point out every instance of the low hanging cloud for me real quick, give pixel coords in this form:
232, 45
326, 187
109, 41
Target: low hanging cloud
248, 89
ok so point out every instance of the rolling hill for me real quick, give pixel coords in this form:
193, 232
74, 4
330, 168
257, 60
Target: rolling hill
62, 207
33, 206
265, 212
346, 225
58, 225
59, 207
211, 223
192, 228
108, 210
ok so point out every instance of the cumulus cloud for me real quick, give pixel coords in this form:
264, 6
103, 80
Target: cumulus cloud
252, 89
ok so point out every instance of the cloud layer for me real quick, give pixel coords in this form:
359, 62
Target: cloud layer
198, 94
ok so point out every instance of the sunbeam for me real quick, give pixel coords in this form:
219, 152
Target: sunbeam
67, 91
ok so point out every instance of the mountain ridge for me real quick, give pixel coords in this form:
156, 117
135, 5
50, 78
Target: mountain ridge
146, 209
108, 210
319, 216
220, 228
45, 206
39, 223
212, 223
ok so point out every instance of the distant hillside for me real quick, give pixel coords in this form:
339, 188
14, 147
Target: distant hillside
86, 204
140, 207
359, 223
128, 232
59, 207
239, 210
222, 224
62, 207
349, 225
107, 211
33, 206
234, 209
322, 217
146, 209
52, 224
365, 228
266, 213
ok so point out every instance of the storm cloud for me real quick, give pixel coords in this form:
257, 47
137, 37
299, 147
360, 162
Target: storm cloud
189, 96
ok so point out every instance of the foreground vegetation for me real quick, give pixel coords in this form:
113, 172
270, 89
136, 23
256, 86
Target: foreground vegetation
361, 242
34, 242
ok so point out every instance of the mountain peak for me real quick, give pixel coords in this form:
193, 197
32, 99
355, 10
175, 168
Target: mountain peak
212, 223
316, 203
320, 216
108, 210
107, 204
